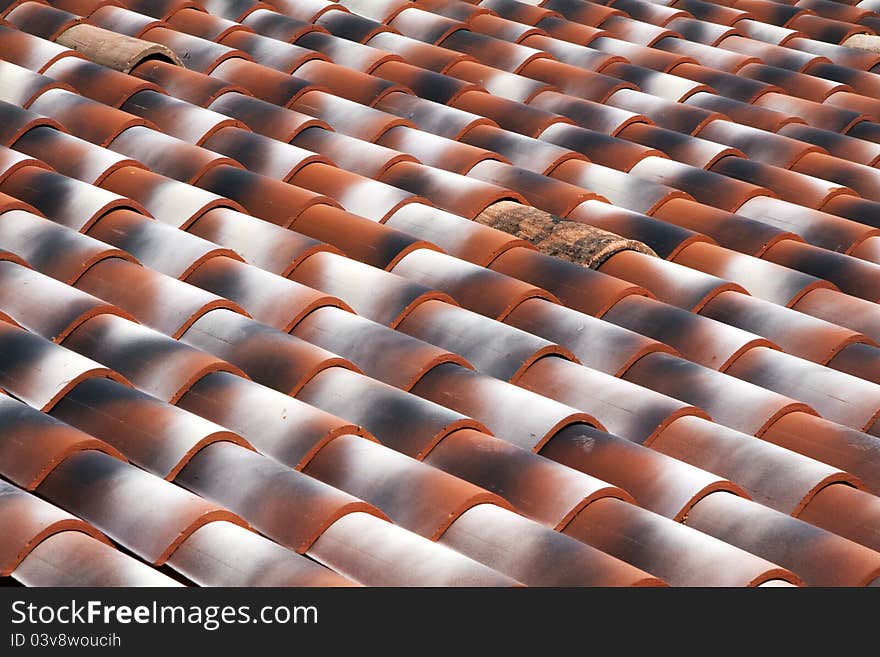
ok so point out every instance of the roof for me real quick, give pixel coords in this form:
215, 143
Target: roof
437, 293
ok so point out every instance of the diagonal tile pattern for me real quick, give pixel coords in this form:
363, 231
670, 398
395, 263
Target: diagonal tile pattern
439, 293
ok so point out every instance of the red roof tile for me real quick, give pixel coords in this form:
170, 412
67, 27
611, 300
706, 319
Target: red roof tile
330, 256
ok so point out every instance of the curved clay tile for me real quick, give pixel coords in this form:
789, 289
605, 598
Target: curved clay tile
465, 196
265, 354
154, 435
385, 354
514, 87
858, 524
468, 240
28, 520
797, 333
414, 426
580, 288
290, 507
33, 443
365, 58
761, 145
268, 298
636, 469
284, 57
510, 115
207, 26
816, 227
41, 20
696, 151
156, 244
654, 58
70, 255
537, 487
86, 118
859, 359
468, 334
51, 309
709, 56
535, 155
669, 282
156, 300
155, 363
515, 414
124, 21
397, 557
732, 231
624, 409
762, 278
71, 558
223, 554
791, 186
680, 555
185, 84
597, 344
837, 396
710, 343
419, 53
168, 156
724, 397
178, 118
774, 535
373, 199
166, 514
572, 80
617, 187
260, 154
288, 430
476, 288
288, 249
383, 297
432, 501
355, 155
786, 481
23, 86
170, 201
71, 156
510, 543
271, 200
434, 150
32, 52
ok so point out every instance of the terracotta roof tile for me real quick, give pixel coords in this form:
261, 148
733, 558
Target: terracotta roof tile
276, 424
156, 436
414, 427
317, 204
248, 560
680, 556
70, 307
771, 534
51, 248
637, 469
34, 443
398, 557
154, 362
629, 411
30, 520
505, 541
499, 405
114, 482
71, 558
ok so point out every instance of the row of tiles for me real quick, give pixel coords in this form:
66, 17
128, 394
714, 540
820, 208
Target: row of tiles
164, 381
100, 405
819, 228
